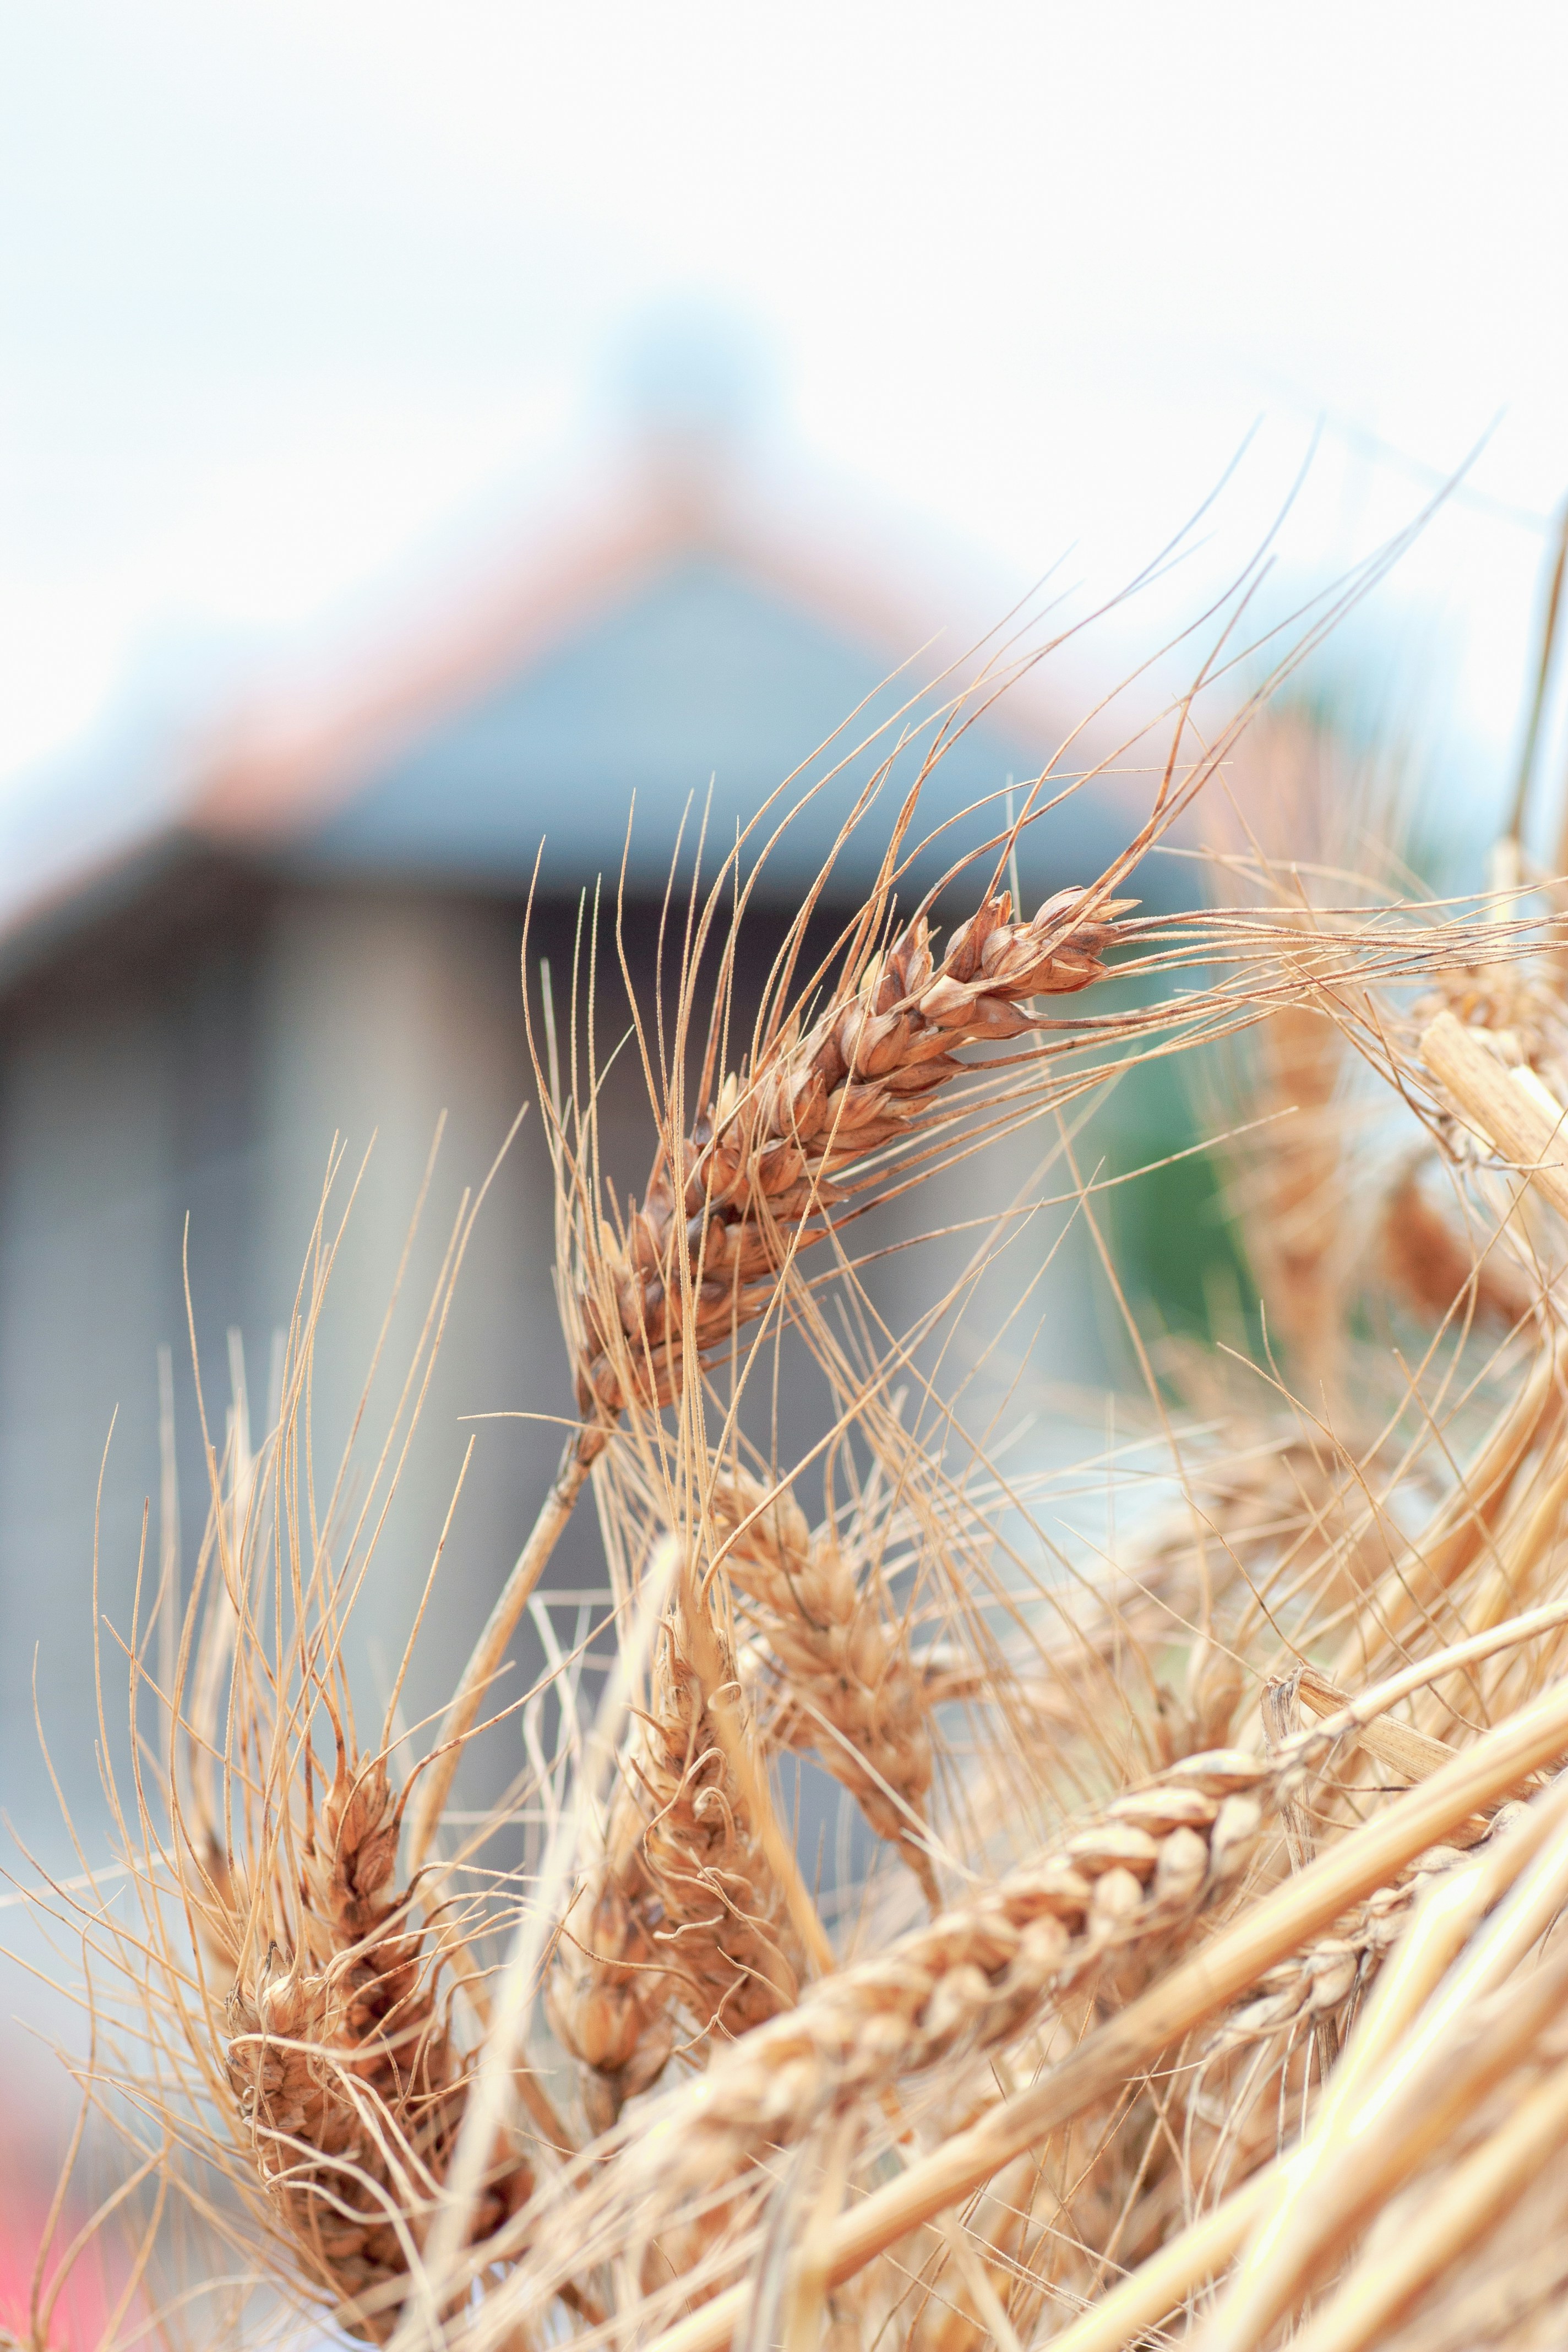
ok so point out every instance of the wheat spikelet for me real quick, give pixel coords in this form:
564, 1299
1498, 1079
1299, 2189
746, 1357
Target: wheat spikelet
680, 1918
852, 1691
339, 2055
724, 1206
767, 1155
979, 1976
1325, 1980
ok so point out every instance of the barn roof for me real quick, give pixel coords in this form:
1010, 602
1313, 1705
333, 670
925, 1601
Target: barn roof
675, 636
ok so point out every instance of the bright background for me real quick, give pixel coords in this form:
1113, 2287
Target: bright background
306, 305
297, 301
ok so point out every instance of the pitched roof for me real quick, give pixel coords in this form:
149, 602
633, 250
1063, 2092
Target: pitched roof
674, 634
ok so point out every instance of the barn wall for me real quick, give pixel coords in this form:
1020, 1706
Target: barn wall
125, 1099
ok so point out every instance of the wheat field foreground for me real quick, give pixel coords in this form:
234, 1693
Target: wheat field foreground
907, 1922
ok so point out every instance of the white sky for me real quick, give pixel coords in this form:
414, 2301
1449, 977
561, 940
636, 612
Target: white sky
293, 295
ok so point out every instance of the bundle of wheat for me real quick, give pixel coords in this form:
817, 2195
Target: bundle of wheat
1235, 1819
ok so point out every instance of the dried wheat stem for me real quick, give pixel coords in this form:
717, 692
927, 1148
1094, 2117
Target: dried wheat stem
1453, 2213
1412, 1753
582, 1450
723, 1699
489, 2109
853, 1692
1311, 2204
702, 1254
1450, 1909
1335, 2199
1358, 1714
1515, 1114
1119, 2050
1443, 1920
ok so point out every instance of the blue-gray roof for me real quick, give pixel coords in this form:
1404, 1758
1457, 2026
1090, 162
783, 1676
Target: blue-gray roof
702, 675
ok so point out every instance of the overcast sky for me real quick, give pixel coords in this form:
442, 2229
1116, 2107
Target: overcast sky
294, 297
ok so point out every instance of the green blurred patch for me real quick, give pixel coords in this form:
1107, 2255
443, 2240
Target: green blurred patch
1173, 1242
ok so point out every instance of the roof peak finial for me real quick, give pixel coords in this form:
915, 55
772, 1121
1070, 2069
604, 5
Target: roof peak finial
694, 377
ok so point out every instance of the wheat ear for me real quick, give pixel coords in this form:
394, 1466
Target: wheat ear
339, 2053
850, 1688
1265, 1932
681, 1918
981, 1974
725, 1206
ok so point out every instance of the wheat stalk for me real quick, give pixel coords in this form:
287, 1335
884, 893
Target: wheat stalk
1479, 2022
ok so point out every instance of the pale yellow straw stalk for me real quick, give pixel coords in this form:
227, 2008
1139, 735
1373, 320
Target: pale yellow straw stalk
1442, 2218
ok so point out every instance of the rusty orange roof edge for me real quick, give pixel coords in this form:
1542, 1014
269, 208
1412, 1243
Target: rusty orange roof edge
293, 758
